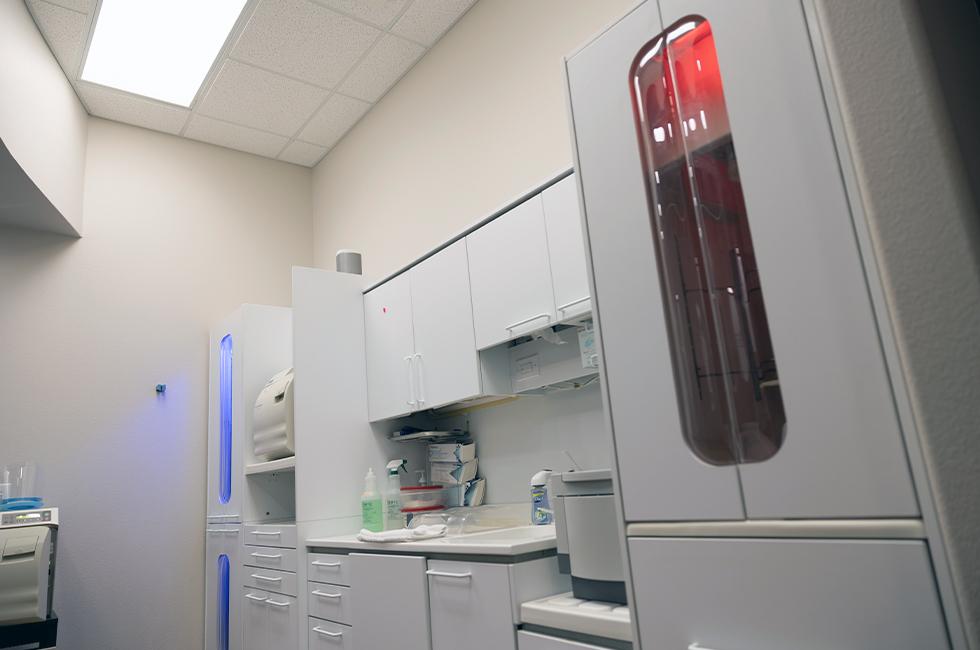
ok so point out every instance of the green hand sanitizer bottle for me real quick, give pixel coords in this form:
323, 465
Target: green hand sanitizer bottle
372, 517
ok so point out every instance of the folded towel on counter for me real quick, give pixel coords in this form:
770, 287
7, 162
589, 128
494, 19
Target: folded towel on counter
403, 534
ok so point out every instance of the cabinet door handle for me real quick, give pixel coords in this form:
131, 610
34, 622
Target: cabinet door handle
528, 320
323, 594
444, 574
276, 603
327, 564
320, 630
419, 373
573, 303
270, 533
268, 556
411, 381
266, 578
258, 599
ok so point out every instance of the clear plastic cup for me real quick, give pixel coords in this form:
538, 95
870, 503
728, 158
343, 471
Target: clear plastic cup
17, 480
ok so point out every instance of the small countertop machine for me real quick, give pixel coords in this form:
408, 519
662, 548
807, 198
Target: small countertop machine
28, 541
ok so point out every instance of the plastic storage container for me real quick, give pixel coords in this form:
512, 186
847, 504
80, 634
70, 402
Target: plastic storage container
17, 486
423, 497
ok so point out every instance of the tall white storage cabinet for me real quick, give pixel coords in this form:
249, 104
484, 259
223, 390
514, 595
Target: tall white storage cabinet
247, 347
742, 362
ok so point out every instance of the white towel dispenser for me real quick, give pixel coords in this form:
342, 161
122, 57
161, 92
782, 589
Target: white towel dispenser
272, 421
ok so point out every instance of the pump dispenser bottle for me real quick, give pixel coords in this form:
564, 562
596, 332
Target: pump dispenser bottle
371, 512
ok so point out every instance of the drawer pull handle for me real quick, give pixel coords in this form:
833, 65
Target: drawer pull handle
697, 646
271, 533
332, 565
259, 599
266, 578
277, 603
573, 303
268, 556
444, 574
528, 320
222, 531
320, 630
323, 594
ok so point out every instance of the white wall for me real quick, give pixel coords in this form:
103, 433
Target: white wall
177, 233
42, 125
923, 225
480, 120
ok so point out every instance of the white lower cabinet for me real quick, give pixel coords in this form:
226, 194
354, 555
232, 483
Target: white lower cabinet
254, 615
390, 602
270, 620
477, 604
535, 641
222, 623
730, 594
325, 635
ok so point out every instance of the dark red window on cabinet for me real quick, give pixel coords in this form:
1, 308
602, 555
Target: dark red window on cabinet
723, 361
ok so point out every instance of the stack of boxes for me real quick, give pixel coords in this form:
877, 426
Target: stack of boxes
454, 465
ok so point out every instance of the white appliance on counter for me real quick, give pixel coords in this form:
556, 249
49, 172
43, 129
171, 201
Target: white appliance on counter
272, 418
28, 545
728, 273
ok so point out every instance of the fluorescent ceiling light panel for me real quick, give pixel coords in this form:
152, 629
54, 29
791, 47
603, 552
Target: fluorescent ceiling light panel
158, 48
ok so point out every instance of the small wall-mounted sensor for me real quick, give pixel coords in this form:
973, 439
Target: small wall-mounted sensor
348, 261
161, 389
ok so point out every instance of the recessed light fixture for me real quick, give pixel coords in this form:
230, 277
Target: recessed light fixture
158, 48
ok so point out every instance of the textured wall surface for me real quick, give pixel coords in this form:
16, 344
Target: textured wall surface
177, 234
926, 234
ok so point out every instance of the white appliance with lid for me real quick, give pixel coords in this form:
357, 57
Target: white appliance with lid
272, 423
27, 561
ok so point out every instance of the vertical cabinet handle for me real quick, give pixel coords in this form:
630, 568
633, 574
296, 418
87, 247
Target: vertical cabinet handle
420, 373
411, 381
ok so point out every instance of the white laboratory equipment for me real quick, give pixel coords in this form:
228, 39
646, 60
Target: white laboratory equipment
28, 548
272, 419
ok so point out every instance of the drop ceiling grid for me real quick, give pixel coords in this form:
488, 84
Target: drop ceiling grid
384, 39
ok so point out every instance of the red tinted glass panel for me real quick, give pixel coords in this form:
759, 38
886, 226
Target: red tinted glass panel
724, 366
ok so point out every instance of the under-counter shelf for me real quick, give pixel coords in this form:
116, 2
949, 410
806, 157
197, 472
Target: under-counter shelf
287, 464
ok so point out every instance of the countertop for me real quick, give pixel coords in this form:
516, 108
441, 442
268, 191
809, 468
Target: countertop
501, 542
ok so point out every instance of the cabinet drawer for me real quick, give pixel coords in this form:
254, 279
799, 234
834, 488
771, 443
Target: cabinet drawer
278, 535
729, 594
470, 600
325, 635
283, 559
280, 582
329, 568
331, 602
534, 641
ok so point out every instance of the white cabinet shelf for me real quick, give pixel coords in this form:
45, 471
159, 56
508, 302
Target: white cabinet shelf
287, 464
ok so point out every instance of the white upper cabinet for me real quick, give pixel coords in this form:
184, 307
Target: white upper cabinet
419, 337
390, 348
566, 249
447, 366
510, 275
740, 344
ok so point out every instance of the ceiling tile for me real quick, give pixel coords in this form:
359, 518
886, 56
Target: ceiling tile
381, 68
427, 20
123, 107
302, 153
304, 40
376, 12
63, 30
85, 6
234, 136
252, 97
332, 121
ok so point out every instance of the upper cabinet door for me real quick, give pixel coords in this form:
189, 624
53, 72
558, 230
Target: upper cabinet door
566, 248
510, 275
446, 361
661, 476
390, 349
841, 453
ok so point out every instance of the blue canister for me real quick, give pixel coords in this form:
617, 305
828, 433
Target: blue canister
541, 512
